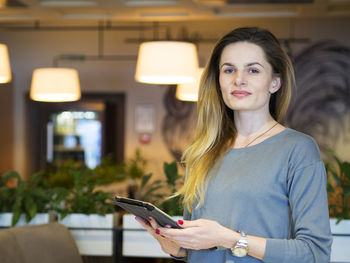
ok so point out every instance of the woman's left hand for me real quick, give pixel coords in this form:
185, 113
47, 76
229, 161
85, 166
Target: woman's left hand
200, 234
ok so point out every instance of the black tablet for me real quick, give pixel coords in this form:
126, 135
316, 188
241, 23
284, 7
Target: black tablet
145, 210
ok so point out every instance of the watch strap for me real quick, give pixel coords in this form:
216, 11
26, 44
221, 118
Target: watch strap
241, 247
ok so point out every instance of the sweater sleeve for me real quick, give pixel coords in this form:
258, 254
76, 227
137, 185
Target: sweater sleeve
311, 238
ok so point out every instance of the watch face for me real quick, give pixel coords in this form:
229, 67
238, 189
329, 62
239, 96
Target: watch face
239, 251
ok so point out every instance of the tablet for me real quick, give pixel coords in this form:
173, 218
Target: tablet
145, 210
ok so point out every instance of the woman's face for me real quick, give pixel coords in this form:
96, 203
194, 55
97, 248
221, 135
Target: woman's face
246, 78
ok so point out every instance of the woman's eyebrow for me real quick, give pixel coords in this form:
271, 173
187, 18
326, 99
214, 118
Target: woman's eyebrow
227, 64
254, 63
247, 65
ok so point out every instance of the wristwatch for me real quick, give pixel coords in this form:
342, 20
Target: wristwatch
241, 247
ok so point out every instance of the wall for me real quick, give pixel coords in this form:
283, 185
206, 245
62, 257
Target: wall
6, 130
34, 49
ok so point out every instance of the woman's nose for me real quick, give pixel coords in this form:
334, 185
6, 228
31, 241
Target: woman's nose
239, 79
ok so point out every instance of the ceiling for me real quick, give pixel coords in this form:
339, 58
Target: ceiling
165, 10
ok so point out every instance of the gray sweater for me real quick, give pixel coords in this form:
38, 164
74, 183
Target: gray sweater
275, 189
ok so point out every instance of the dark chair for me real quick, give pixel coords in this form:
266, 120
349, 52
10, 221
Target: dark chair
49, 243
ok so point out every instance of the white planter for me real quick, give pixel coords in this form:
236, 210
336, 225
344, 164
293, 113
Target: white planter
340, 247
40, 218
92, 242
139, 243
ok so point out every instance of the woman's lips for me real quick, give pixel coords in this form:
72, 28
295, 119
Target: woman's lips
240, 93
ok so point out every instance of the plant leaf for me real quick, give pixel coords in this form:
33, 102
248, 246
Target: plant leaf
145, 179
30, 208
170, 170
16, 210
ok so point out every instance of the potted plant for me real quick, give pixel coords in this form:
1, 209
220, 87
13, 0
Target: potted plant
26, 202
87, 210
338, 188
139, 243
84, 206
107, 172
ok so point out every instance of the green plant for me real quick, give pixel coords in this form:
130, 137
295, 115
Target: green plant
338, 187
149, 189
172, 205
107, 172
38, 194
27, 197
66, 188
82, 198
81, 183
7, 199
160, 191
135, 167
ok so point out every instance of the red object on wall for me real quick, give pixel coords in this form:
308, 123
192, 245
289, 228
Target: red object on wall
145, 138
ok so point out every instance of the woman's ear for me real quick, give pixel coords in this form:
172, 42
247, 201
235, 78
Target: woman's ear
275, 85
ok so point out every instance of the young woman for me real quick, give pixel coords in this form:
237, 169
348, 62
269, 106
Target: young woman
255, 191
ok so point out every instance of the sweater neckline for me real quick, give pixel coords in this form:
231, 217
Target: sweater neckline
268, 140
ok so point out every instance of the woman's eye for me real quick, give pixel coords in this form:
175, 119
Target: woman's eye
253, 70
228, 70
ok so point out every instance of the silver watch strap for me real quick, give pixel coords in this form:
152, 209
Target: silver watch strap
242, 242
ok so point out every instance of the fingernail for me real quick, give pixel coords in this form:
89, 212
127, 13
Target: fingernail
157, 231
181, 222
150, 219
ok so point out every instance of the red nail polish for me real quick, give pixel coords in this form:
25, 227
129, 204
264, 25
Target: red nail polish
181, 222
150, 219
157, 231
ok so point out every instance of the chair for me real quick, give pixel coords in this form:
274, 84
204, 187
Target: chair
49, 243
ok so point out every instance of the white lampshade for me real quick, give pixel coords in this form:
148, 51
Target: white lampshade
5, 68
166, 62
55, 84
189, 91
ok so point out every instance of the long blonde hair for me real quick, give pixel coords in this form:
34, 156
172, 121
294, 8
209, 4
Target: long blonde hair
215, 131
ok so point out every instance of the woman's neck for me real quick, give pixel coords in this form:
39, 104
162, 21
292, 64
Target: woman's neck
253, 129
248, 124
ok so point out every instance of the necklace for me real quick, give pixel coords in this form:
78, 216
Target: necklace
261, 135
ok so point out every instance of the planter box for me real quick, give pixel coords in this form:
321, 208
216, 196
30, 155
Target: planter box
92, 242
40, 218
341, 240
137, 242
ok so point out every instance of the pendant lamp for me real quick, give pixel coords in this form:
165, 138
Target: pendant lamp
5, 68
55, 85
166, 62
189, 91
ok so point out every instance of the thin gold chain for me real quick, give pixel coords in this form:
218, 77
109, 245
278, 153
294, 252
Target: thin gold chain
261, 135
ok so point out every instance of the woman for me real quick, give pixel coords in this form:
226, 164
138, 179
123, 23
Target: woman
255, 190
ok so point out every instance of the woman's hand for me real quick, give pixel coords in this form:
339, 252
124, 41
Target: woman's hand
167, 245
200, 234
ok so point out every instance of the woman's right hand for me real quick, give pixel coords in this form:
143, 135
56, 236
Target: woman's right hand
166, 244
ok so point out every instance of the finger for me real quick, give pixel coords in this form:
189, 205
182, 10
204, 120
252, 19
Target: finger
154, 232
186, 243
153, 223
173, 233
188, 223
141, 220
144, 223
